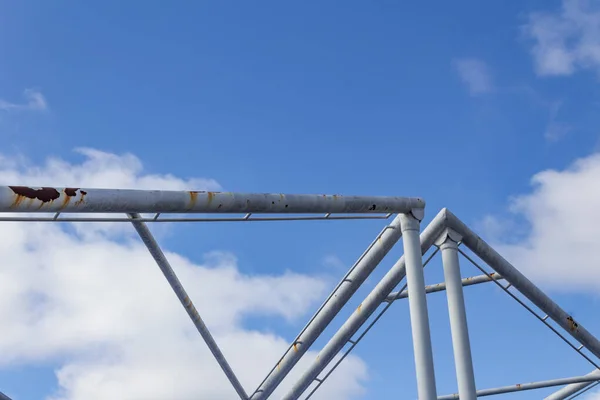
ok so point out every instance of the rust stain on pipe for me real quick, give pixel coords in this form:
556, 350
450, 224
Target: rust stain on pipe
44, 194
193, 198
71, 191
572, 324
82, 199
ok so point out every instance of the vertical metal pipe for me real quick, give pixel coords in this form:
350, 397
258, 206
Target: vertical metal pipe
465, 376
183, 297
417, 301
364, 311
513, 276
335, 302
573, 388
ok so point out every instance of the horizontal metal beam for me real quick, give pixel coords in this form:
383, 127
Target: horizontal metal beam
573, 388
57, 217
440, 287
527, 386
523, 285
78, 200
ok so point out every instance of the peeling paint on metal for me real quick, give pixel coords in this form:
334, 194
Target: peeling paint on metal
572, 324
82, 199
71, 191
44, 194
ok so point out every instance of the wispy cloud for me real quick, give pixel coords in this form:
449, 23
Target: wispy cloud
556, 130
565, 40
334, 262
475, 74
34, 101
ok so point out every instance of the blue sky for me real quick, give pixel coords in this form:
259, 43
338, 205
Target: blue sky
459, 103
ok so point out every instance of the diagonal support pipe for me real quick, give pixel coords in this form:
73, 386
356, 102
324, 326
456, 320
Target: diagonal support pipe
382, 292
167, 270
573, 388
364, 311
523, 285
332, 306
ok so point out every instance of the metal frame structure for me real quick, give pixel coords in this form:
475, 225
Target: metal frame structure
446, 233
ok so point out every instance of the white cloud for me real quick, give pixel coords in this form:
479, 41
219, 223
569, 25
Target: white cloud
566, 40
560, 247
35, 101
99, 308
475, 74
595, 395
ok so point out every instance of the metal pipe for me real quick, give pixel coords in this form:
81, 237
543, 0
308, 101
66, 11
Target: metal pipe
363, 267
419, 316
461, 345
440, 287
363, 312
355, 342
573, 388
523, 285
183, 297
526, 386
77, 200
38, 218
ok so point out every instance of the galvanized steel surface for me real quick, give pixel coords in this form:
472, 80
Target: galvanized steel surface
463, 362
419, 315
78, 200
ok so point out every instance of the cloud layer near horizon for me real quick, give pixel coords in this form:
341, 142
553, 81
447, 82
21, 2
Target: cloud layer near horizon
97, 307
